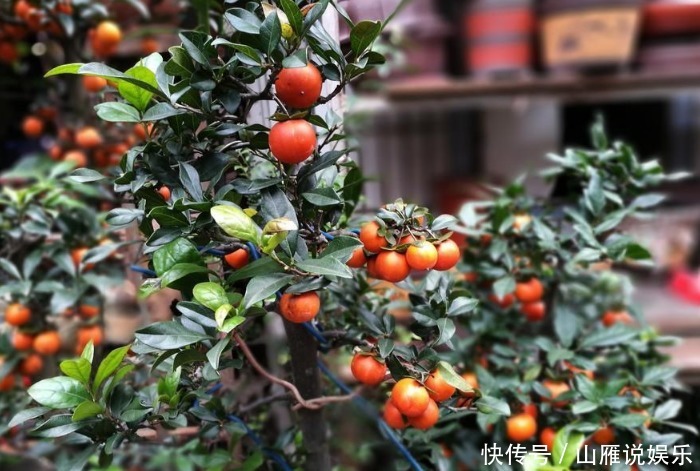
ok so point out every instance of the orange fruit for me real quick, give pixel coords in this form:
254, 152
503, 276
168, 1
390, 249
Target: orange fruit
556, 389
7, 383
17, 314
372, 267
529, 291
32, 126
94, 84
65, 7
88, 138
547, 438
534, 312
393, 417
22, 9
522, 220
299, 87
149, 45
575, 370
237, 259
357, 259
107, 34
505, 302
367, 369
370, 238
428, 418
88, 311
409, 397
55, 152
611, 318
448, 255
142, 130
32, 365
531, 410
604, 436
77, 157
78, 254
164, 192
89, 333
521, 427
293, 141
299, 308
8, 52
422, 255
392, 266
22, 341
473, 381
438, 389
47, 343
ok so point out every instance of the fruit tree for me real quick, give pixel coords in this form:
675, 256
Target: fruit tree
253, 225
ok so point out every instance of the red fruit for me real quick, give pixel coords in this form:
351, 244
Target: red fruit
393, 417
547, 438
521, 427
293, 141
428, 418
358, 258
529, 291
367, 370
409, 397
534, 311
422, 255
448, 255
370, 238
392, 266
299, 87
299, 308
237, 259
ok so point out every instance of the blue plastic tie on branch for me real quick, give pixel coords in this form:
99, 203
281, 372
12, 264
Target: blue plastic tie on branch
214, 252
259, 443
144, 271
315, 333
253, 250
372, 412
327, 235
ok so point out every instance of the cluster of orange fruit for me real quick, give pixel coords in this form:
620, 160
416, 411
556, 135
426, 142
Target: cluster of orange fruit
411, 403
37, 345
394, 263
85, 145
529, 293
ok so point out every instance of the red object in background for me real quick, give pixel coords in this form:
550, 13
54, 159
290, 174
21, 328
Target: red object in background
686, 285
498, 36
671, 17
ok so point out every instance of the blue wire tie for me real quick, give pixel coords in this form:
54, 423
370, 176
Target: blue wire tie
253, 250
327, 235
144, 271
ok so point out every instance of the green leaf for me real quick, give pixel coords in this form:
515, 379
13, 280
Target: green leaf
462, 305
86, 410
298, 59
615, 335
262, 266
167, 217
566, 324
57, 426
180, 250
190, 181
77, 369
236, 223
629, 421
193, 42
446, 328
184, 276
161, 111
109, 365
210, 294
214, 355
363, 35
452, 378
197, 313
341, 248
60, 392
86, 175
243, 20
492, 405
294, 15
270, 33
27, 414
504, 286
168, 335
566, 446
64, 69
326, 266
10, 268
583, 407
262, 287
322, 197
116, 112
88, 352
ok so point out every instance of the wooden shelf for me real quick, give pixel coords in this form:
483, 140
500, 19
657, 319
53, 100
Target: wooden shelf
619, 86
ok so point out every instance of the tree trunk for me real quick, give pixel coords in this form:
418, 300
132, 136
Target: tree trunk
304, 355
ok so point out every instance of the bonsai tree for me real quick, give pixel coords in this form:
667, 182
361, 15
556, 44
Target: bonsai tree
247, 222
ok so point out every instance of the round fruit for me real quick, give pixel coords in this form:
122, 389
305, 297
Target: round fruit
142, 130
47, 343
505, 302
428, 418
521, 427
293, 141
32, 126
604, 436
164, 192
422, 255
556, 389
88, 137
448, 255
611, 318
237, 259
393, 417
8, 52
55, 152
409, 397
529, 291
357, 259
31, 365
367, 370
473, 381
16, 314
149, 45
438, 389
78, 254
22, 9
7, 383
299, 87
90, 333
392, 266
107, 33
93, 83
77, 157
370, 238
547, 438
299, 308
534, 312
531, 410
88, 311
22, 341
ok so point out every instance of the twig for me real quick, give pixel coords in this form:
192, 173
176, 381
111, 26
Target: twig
262, 401
329, 97
316, 403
